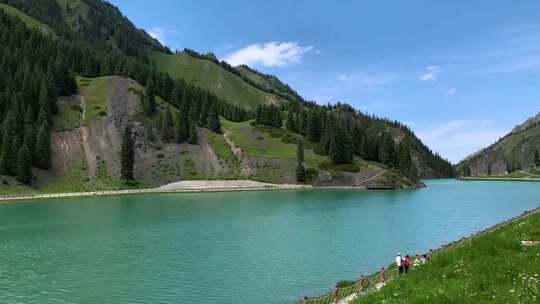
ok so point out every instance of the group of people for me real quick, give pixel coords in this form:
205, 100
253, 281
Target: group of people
405, 263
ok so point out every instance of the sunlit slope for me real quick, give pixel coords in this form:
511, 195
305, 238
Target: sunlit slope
206, 74
29, 21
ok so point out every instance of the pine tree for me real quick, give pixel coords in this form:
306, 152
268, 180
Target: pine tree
387, 151
536, 158
313, 128
213, 118
24, 166
149, 102
404, 159
290, 124
340, 148
7, 160
179, 135
192, 139
149, 105
300, 169
44, 101
166, 126
43, 147
127, 154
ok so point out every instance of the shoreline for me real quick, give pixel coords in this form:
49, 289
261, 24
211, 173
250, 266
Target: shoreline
179, 187
502, 179
465, 240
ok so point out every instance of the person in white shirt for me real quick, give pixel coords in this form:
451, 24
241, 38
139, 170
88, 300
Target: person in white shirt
399, 262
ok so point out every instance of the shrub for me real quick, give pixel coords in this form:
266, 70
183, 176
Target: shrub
311, 173
326, 165
76, 108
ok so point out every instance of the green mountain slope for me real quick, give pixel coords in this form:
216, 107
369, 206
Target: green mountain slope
209, 75
268, 83
194, 117
513, 152
29, 21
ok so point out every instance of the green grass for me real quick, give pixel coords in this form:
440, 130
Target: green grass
8, 185
256, 143
29, 21
69, 114
95, 90
490, 268
220, 146
521, 175
208, 75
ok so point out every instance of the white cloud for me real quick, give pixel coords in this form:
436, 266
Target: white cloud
457, 139
450, 92
158, 33
269, 54
429, 74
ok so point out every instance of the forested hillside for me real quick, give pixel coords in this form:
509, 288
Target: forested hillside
516, 153
57, 58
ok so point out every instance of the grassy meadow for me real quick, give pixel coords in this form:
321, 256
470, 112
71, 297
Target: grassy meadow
490, 268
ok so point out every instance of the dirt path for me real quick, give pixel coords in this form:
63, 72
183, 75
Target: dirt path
373, 177
235, 150
83, 132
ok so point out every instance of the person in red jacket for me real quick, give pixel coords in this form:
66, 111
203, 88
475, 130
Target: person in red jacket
407, 263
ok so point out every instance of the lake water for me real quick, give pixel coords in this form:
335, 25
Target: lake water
242, 247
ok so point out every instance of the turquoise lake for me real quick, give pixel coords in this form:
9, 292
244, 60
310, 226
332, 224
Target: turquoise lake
241, 247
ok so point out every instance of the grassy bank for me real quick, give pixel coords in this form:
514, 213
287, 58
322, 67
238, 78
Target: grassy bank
492, 267
502, 178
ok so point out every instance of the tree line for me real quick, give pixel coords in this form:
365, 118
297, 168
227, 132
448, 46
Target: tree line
37, 68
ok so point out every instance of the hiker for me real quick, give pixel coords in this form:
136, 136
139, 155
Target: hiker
361, 283
382, 276
407, 263
399, 263
306, 300
417, 261
429, 255
423, 259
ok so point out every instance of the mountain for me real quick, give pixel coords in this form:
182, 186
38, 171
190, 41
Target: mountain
514, 152
82, 73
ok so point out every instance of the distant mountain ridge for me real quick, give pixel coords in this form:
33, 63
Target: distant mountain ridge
513, 152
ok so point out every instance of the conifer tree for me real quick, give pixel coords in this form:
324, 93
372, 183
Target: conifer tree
300, 169
127, 154
536, 158
166, 126
24, 166
387, 151
213, 118
43, 147
44, 100
313, 127
149, 102
340, 148
290, 124
404, 164
179, 135
7, 160
192, 139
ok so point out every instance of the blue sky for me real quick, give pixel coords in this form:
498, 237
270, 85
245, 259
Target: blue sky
459, 73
